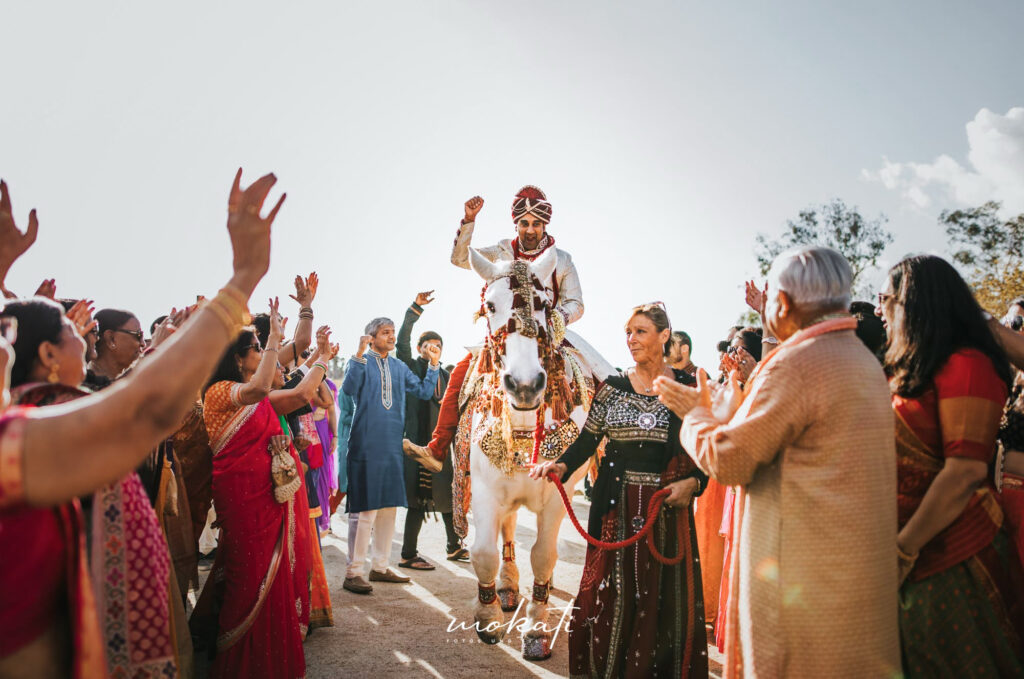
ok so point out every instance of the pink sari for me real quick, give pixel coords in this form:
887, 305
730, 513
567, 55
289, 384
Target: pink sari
262, 564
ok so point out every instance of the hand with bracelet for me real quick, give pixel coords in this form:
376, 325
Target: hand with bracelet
69, 452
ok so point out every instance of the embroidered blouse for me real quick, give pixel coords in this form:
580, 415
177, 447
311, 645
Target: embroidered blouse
642, 435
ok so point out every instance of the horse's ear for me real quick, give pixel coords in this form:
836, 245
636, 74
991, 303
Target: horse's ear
544, 266
483, 266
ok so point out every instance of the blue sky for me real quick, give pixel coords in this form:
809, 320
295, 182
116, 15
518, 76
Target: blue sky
666, 134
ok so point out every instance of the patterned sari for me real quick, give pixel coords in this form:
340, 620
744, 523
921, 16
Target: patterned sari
130, 565
49, 580
261, 573
961, 605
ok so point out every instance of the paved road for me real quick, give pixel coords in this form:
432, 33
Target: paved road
403, 630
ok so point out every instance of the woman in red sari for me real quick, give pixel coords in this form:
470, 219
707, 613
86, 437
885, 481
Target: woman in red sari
49, 456
263, 560
960, 594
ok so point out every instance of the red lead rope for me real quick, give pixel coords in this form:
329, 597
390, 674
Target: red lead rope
652, 514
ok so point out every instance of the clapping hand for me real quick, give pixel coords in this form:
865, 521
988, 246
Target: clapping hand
756, 298
323, 341
13, 243
277, 324
48, 288
305, 289
678, 398
81, 315
721, 401
250, 233
424, 298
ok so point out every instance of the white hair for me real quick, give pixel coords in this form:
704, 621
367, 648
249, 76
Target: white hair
816, 278
374, 326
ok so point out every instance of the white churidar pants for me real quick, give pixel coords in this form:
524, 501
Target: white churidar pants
378, 524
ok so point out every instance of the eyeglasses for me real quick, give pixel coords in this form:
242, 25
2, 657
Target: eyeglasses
137, 334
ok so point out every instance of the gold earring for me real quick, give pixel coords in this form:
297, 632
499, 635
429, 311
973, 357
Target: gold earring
54, 378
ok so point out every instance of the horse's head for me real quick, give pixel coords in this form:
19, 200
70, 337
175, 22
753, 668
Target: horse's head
517, 302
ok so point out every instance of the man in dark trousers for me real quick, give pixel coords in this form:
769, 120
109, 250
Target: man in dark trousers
425, 491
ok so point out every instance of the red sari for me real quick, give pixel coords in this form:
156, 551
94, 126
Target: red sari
263, 556
960, 608
49, 579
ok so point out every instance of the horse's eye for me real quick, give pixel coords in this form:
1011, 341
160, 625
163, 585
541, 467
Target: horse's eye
490, 307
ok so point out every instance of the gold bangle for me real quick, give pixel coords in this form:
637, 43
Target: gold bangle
237, 294
224, 316
233, 307
238, 315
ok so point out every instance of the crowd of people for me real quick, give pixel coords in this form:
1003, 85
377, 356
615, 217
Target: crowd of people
843, 497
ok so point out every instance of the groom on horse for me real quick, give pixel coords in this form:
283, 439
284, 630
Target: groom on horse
531, 213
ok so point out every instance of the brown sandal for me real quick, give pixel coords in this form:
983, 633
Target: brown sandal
417, 563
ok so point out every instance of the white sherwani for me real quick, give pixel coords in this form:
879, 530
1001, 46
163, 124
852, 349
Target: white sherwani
570, 294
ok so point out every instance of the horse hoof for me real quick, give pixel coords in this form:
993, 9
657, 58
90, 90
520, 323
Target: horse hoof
537, 648
509, 599
489, 637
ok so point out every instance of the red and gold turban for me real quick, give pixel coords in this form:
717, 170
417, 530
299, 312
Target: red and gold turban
531, 201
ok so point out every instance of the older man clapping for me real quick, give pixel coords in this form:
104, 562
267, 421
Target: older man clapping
810, 445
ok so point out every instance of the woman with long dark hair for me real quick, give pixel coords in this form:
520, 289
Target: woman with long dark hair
960, 605
263, 558
49, 623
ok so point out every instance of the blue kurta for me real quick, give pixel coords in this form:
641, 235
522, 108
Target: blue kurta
378, 385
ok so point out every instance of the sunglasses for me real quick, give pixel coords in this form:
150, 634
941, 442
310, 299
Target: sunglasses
137, 334
650, 305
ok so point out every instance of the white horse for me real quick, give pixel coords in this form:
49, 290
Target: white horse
511, 388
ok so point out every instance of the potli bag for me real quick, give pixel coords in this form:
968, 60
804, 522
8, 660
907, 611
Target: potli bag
283, 469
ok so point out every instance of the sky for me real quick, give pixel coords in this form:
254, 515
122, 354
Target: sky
667, 135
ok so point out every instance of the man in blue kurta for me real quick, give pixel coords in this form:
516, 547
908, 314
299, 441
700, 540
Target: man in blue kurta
378, 384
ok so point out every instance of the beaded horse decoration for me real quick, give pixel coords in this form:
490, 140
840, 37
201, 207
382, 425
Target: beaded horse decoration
524, 399
568, 387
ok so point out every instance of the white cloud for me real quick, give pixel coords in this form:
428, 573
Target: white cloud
996, 171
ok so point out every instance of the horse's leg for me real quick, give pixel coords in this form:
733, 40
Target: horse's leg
490, 623
543, 557
508, 578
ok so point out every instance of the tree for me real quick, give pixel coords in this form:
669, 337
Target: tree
990, 251
842, 228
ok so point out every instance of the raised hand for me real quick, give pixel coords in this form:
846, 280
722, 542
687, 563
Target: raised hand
364, 342
756, 298
305, 289
434, 353
745, 363
335, 348
13, 243
250, 233
323, 340
164, 329
473, 206
48, 288
424, 298
80, 314
276, 324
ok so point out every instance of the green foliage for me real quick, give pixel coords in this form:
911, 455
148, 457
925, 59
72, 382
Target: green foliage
749, 318
990, 252
837, 226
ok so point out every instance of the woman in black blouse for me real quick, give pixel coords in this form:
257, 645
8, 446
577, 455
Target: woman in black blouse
634, 616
